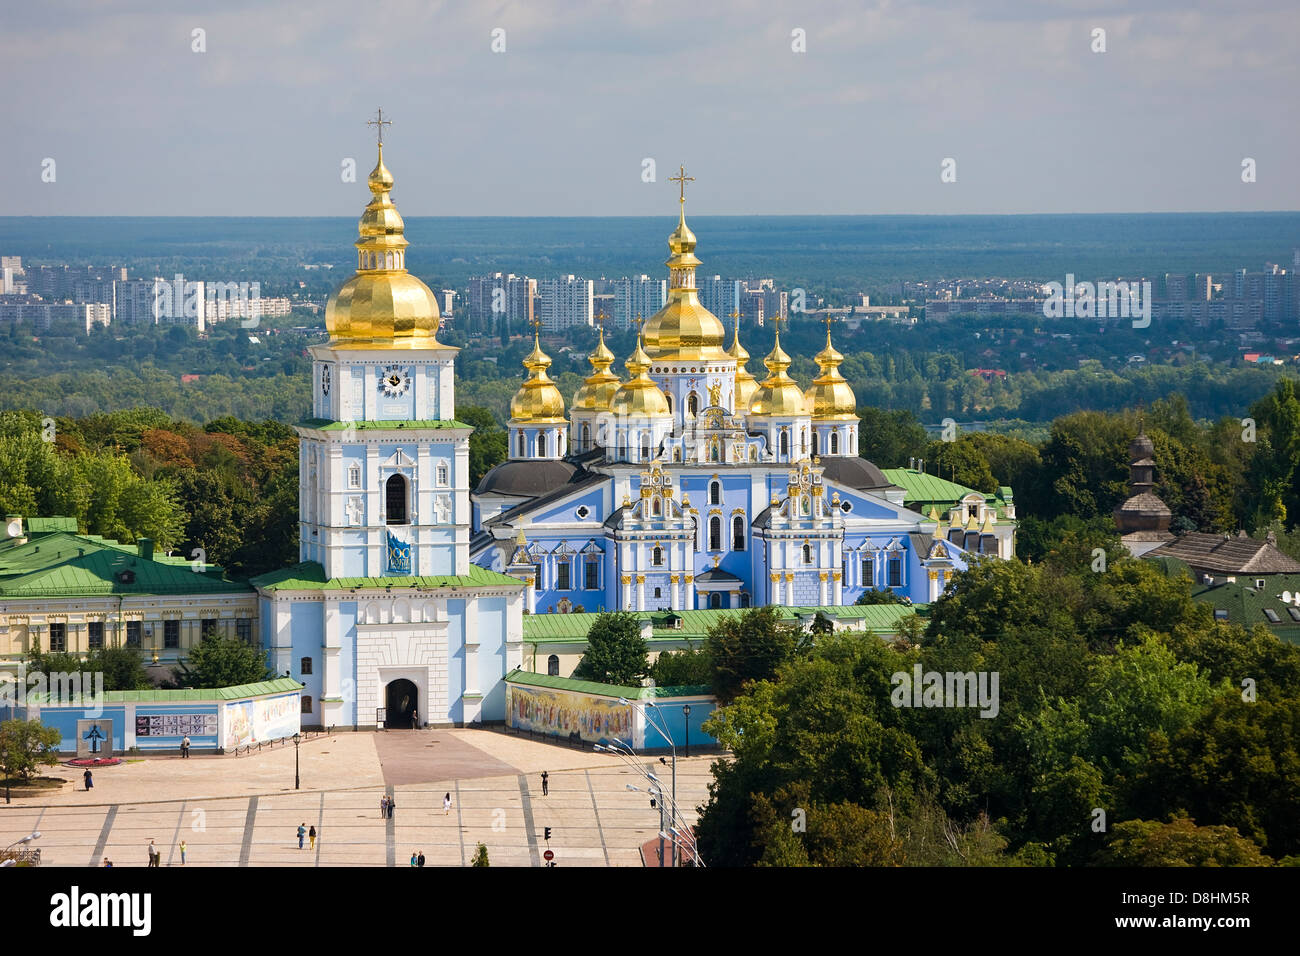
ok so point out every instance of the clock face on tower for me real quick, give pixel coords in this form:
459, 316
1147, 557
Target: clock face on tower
394, 381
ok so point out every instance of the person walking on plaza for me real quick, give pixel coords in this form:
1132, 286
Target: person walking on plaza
185, 746
419, 860
90, 781
383, 806
311, 835
154, 854
392, 804
413, 859
302, 832
182, 852
446, 804
108, 863
545, 779
415, 720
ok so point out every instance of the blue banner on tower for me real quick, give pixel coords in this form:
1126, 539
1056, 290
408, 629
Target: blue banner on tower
399, 556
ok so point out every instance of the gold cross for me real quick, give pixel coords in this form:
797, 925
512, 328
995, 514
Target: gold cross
683, 179
736, 316
600, 319
381, 123
638, 324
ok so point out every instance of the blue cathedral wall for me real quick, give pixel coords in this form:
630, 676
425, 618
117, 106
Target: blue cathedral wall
456, 660
491, 660
348, 659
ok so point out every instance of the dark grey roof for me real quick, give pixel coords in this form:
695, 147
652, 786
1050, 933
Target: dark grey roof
716, 576
856, 473
615, 519
921, 543
528, 479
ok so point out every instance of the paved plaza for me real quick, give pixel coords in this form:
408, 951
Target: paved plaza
243, 810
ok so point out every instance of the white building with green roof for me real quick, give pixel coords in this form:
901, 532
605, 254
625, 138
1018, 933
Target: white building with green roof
385, 620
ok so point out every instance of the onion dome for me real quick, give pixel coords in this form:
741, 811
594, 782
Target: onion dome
684, 330
598, 388
746, 384
639, 396
382, 306
778, 395
538, 401
830, 397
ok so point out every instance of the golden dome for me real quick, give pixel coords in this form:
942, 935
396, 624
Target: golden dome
538, 401
830, 397
382, 306
778, 395
684, 330
746, 384
597, 390
639, 396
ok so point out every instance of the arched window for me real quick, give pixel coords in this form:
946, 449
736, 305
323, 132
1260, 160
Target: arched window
715, 493
715, 533
622, 446
807, 554
442, 473
738, 533
354, 476
715, 600
304, 666
657, 556
816, 452
645, 447
669, 398
306, 704
785, 443
542, 450
803, 442
395, 499
553, 666
693, 404
835, 443
586, 437
744, 599
520, 445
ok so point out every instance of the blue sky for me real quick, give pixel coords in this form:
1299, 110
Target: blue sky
561, 122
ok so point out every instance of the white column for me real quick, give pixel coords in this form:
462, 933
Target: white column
789, 589
822, 575
640, 592
839, 587
674, 594
626, 603
689, 603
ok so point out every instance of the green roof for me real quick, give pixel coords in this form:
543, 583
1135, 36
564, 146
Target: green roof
518, 676
281, 685
329, 425
573, 628
310, 576
921, 489
63, 564
45, 525
1239, 603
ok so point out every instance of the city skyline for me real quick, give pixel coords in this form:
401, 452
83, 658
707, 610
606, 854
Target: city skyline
562, 120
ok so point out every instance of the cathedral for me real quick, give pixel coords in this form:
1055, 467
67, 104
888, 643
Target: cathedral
690, 484
385, 620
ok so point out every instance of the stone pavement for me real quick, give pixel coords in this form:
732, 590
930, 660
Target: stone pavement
243, 811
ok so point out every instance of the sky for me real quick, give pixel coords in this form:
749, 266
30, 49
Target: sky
586, 107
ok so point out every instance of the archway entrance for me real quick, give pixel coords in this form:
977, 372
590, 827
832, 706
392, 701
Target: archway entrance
401, 699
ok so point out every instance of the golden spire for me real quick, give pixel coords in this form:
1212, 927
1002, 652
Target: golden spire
382, 306
746, 384
830, 397
684, 330
639, 396
538, 401
598, 388
778, 395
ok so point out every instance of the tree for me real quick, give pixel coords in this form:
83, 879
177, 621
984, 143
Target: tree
888, 439
1180, 842
689, 667
821, 625
748, 647
480, 856
224, 662
487, 446
26, 745
874, 596
616, 652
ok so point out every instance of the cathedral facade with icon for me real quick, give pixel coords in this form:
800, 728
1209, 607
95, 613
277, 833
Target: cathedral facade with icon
688, 483
385, 620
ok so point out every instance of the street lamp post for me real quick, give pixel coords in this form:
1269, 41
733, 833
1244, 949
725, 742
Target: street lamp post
34, 835
686, 712
296, 739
